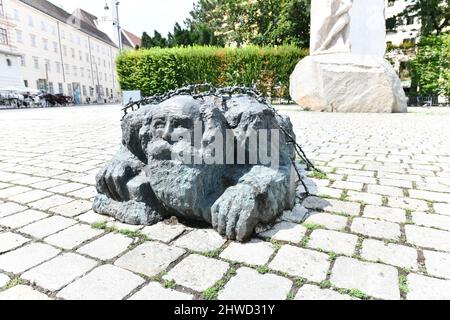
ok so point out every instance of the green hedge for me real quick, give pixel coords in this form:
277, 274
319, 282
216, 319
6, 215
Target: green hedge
156, 71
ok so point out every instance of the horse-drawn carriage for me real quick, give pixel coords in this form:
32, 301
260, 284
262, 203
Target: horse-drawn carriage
15, 98
55, 100
11, 99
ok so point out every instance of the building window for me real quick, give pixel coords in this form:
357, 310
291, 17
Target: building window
391, 23
51, 89
87, 57
33, 40
36, 62
22, 61
75, 71
55, 47
58, 67
54, 30
410, 41
84, 91
2, 11
391, 3
3, 36
16, 15
69, 89
19, 36
43, 26
45, 43
65, 51
41, 85
8, 62
30, 21
410, 20
25, 83
63, 34
82, 72
73, 52
66, 69
80, 54
60, 88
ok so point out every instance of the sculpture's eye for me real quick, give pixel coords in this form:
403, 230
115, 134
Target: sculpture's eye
159, 124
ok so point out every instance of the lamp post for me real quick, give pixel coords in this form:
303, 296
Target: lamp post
116, 21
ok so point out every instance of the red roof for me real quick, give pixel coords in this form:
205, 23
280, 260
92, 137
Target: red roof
136, 41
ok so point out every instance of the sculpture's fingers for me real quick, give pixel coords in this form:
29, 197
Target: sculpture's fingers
109, 179
102, 188
233, 217
223, 216
215, 215
120, 178
245, 227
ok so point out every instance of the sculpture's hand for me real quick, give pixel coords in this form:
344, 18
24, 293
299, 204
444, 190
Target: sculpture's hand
234, 214
112, 179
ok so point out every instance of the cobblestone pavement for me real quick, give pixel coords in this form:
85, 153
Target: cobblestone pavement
379, 227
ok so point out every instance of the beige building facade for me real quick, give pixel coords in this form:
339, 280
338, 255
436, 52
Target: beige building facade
61, 52
407, 29
10, 70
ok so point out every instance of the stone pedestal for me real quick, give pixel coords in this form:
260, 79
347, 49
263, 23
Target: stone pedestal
347, 82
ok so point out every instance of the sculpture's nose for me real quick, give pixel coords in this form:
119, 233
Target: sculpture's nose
167, 134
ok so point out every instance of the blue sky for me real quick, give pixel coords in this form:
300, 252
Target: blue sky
138, 15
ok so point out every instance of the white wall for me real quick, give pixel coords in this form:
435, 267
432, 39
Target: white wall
10, 76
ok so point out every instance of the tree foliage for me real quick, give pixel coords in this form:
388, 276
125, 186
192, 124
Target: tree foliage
239, 22
258, 22
431, 67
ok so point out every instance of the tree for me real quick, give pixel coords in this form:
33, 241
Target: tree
293, 26
241, 22
146, 41
261, 22
181, 37
431, 66
433, 14
158, 40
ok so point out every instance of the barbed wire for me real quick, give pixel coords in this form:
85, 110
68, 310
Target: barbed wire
201, 91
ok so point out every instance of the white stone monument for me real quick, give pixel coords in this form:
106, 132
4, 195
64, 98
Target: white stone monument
346, 71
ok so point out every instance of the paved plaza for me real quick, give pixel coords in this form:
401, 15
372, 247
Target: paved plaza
378, 226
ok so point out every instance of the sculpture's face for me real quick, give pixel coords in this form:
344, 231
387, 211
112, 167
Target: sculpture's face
172, 128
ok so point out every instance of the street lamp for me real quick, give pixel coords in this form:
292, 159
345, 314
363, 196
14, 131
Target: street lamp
116, 21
